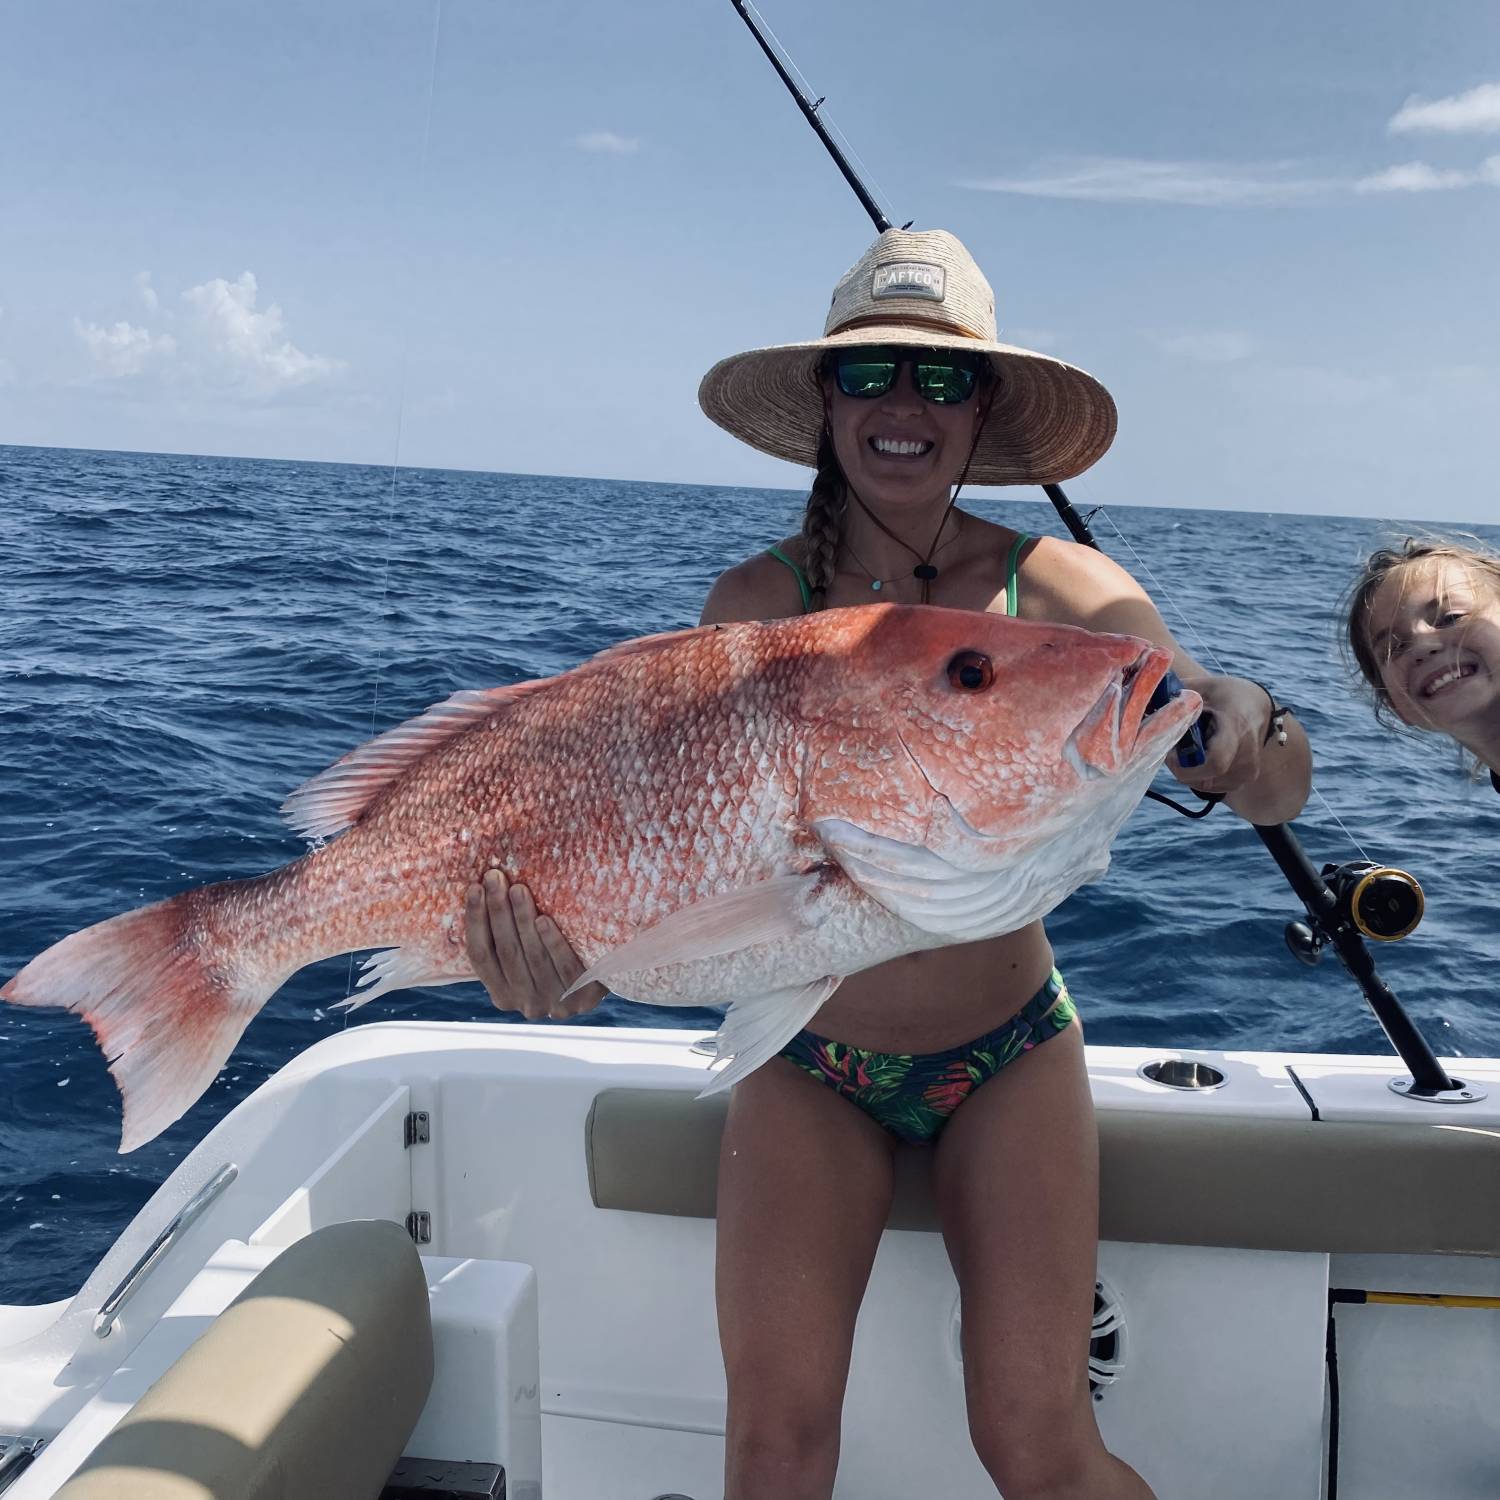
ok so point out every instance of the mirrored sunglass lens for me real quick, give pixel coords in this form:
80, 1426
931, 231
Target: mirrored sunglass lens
866, 377
945, 383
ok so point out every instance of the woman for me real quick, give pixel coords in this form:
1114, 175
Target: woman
907, 395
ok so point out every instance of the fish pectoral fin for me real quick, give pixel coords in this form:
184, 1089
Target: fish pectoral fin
765, 912
932, 893
755, 1030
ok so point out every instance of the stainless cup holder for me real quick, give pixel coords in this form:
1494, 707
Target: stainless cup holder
1180, 1073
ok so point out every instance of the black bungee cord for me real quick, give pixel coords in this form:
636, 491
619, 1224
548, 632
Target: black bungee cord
1343, 904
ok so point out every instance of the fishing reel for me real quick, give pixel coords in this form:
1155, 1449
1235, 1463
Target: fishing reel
1379, 901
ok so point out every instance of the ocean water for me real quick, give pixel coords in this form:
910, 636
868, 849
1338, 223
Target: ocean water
183, 640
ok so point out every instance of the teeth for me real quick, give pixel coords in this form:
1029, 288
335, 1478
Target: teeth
902, 449
1451, 675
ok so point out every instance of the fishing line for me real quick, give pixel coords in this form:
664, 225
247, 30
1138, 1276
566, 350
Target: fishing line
829, 124
1201, 646
1329, 897
401, 367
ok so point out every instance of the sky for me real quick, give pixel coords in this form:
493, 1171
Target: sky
490, 235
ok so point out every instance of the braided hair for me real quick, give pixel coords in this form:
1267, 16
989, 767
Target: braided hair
823, 520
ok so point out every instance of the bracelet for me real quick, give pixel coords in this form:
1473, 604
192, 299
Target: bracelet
1276, 727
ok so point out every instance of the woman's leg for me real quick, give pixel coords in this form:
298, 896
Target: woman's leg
804, 1193
1017, 1176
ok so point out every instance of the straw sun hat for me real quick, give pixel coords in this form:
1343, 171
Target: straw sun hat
1048, 422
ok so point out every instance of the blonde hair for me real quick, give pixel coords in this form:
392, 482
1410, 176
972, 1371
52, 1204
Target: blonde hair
1379, 566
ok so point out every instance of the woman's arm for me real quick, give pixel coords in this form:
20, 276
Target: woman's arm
1263, 780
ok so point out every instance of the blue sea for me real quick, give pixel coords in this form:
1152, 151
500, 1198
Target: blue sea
183, 640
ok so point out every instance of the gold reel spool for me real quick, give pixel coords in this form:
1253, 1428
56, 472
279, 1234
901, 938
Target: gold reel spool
1385, 903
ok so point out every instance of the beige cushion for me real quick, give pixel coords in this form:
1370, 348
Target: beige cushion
305, 1387
1170, 1179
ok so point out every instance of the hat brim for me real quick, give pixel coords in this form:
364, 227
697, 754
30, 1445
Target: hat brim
1049, 420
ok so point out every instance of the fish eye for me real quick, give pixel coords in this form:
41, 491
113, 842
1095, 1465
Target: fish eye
970, 672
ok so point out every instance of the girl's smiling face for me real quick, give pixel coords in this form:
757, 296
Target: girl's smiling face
1433, 628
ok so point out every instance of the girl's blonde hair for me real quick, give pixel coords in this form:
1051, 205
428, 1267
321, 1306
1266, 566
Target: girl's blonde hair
1378, 567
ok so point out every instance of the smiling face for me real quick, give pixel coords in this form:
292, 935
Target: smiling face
1433, 629
899, 449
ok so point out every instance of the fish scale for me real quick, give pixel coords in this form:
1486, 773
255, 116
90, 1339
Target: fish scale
739, 814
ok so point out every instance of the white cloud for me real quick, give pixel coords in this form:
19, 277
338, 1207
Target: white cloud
608, 142
1125, 179
1207, 346
1418, 177
1477, 111
239, 346
220, 340
123, 350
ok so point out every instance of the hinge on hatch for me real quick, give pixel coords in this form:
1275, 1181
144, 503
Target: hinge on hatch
418, 1128
419, 1226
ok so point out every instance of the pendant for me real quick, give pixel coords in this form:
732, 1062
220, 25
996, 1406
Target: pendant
875, 583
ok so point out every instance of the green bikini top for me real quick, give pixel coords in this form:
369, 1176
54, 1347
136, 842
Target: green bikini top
1012, 563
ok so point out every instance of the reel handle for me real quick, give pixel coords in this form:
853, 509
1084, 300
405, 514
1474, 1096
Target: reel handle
1192, 749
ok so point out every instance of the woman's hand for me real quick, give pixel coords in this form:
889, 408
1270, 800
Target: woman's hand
1262, 779
522, 959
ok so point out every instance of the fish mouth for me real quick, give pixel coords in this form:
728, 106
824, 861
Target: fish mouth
1122, 727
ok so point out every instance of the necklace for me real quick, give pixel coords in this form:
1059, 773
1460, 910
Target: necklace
879, 583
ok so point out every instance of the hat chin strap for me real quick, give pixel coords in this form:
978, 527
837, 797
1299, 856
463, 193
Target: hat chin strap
924, 570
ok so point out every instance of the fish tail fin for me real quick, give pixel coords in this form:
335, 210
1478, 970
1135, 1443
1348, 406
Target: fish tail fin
755, 1030
167, 992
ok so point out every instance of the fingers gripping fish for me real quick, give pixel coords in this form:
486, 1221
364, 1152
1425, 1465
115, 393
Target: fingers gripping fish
744, 813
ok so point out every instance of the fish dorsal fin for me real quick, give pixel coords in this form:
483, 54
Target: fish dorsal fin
337, 798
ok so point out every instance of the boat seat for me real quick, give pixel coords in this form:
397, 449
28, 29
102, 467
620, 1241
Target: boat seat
1247, 1182
306, 1386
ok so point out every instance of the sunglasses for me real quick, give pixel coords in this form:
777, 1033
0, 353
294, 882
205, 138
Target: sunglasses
943, 376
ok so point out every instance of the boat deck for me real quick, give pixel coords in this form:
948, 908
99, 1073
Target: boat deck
581, 1158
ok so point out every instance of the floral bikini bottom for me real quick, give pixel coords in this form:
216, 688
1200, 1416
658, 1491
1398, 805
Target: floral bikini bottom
913, 1095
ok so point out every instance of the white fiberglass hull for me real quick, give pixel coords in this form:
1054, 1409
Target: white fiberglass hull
566, 1150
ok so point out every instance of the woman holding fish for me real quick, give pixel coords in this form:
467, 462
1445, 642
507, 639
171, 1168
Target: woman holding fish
813, 808
975, 1047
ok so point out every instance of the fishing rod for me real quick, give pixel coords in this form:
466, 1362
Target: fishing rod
1343, 904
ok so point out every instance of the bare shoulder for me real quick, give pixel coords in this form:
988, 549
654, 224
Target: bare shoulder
760, 588
1072, 584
